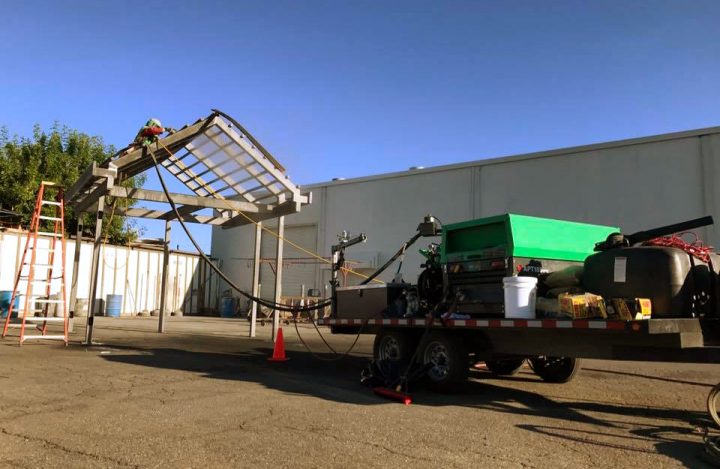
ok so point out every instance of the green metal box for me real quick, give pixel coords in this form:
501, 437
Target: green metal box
477, 254
521, 236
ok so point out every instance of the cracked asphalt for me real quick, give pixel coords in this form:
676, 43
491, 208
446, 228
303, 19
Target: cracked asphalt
204, 395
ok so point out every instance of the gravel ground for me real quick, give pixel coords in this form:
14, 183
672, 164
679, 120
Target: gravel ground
203, 395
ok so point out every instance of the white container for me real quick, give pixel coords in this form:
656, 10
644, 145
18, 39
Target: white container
520, 297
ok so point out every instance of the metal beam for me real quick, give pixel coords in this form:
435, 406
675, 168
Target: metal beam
287, 207
161, 215
88, 178
163, 284
75, 274
183, 210
94, 271
278, 274
91, 199
137, 161
255, 279
184, 199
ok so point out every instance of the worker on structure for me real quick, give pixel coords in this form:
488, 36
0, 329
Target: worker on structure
149, 133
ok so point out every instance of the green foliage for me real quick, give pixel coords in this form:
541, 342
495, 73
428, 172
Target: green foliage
60, 156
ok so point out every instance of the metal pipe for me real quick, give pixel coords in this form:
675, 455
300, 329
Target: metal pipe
642, 236
163, 285
255, 279
278, 274
94, 271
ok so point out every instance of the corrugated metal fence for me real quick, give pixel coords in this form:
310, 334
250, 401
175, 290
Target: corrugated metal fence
133, 272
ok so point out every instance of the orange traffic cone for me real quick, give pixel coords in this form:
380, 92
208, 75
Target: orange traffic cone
279, 350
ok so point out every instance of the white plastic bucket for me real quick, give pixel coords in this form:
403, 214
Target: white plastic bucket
520, 297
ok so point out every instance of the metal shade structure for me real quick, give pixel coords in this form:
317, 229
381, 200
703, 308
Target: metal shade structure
224, 169
221, 164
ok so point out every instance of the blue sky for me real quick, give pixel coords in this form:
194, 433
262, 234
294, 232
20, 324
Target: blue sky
353, 88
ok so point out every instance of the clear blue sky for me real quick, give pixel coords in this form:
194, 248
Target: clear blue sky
353, 88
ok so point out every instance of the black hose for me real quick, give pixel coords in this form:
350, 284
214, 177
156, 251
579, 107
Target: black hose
260, 301
217, 270
340, 356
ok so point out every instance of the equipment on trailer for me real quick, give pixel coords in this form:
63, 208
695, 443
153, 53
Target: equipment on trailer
476, 255
680, 279
38, 270
460, 318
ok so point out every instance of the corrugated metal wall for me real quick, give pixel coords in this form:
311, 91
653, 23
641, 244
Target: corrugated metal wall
134, 273
635, 184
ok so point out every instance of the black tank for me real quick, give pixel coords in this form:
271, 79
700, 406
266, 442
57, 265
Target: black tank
678, 284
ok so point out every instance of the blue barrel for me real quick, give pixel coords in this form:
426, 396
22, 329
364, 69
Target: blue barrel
5, 297
113, 305
227, 307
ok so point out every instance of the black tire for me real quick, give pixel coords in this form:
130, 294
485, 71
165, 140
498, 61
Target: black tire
556, 369
505, 367
397, 345
712, 404
451, 363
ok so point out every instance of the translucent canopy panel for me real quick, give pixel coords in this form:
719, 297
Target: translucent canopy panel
222, 162
216, 159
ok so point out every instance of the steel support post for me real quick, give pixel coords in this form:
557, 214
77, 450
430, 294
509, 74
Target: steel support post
255, 279
278, 274
163, 285
94, 271
75, 274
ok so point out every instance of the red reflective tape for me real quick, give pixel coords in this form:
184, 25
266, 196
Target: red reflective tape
583, 324
394, 322
520, 323
616, 325
495, 323
472, 323
549, 323
378, 322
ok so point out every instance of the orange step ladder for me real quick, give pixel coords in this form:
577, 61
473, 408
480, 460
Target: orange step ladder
44, 282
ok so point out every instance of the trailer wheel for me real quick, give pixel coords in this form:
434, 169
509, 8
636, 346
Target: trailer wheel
396, 345
449, 359
712, 404
507, 367
555, 369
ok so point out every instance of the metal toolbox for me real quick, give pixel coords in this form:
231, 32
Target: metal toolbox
371, 301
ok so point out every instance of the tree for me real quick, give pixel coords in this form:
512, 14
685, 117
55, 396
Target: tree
60, 156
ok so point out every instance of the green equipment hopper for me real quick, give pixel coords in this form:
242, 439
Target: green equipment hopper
479, 253
522, 236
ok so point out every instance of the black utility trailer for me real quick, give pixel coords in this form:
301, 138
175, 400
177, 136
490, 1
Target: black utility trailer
440, 334
461, 341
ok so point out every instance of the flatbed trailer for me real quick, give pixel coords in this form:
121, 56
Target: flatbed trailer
553, 345
463, 318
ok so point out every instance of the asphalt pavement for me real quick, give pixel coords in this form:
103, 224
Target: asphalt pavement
204, 395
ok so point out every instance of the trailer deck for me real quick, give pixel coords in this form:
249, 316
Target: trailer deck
689, 340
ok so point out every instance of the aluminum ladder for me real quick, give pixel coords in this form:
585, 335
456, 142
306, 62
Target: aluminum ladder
44, 281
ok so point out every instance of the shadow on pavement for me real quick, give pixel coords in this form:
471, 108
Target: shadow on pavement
338, 381
651, 377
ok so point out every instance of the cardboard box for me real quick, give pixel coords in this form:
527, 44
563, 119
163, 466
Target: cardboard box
586, 306
628, 309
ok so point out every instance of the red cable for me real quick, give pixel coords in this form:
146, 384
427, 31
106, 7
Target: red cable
696, 249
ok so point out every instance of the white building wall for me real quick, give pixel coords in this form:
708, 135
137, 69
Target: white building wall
635, 184
131, 272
